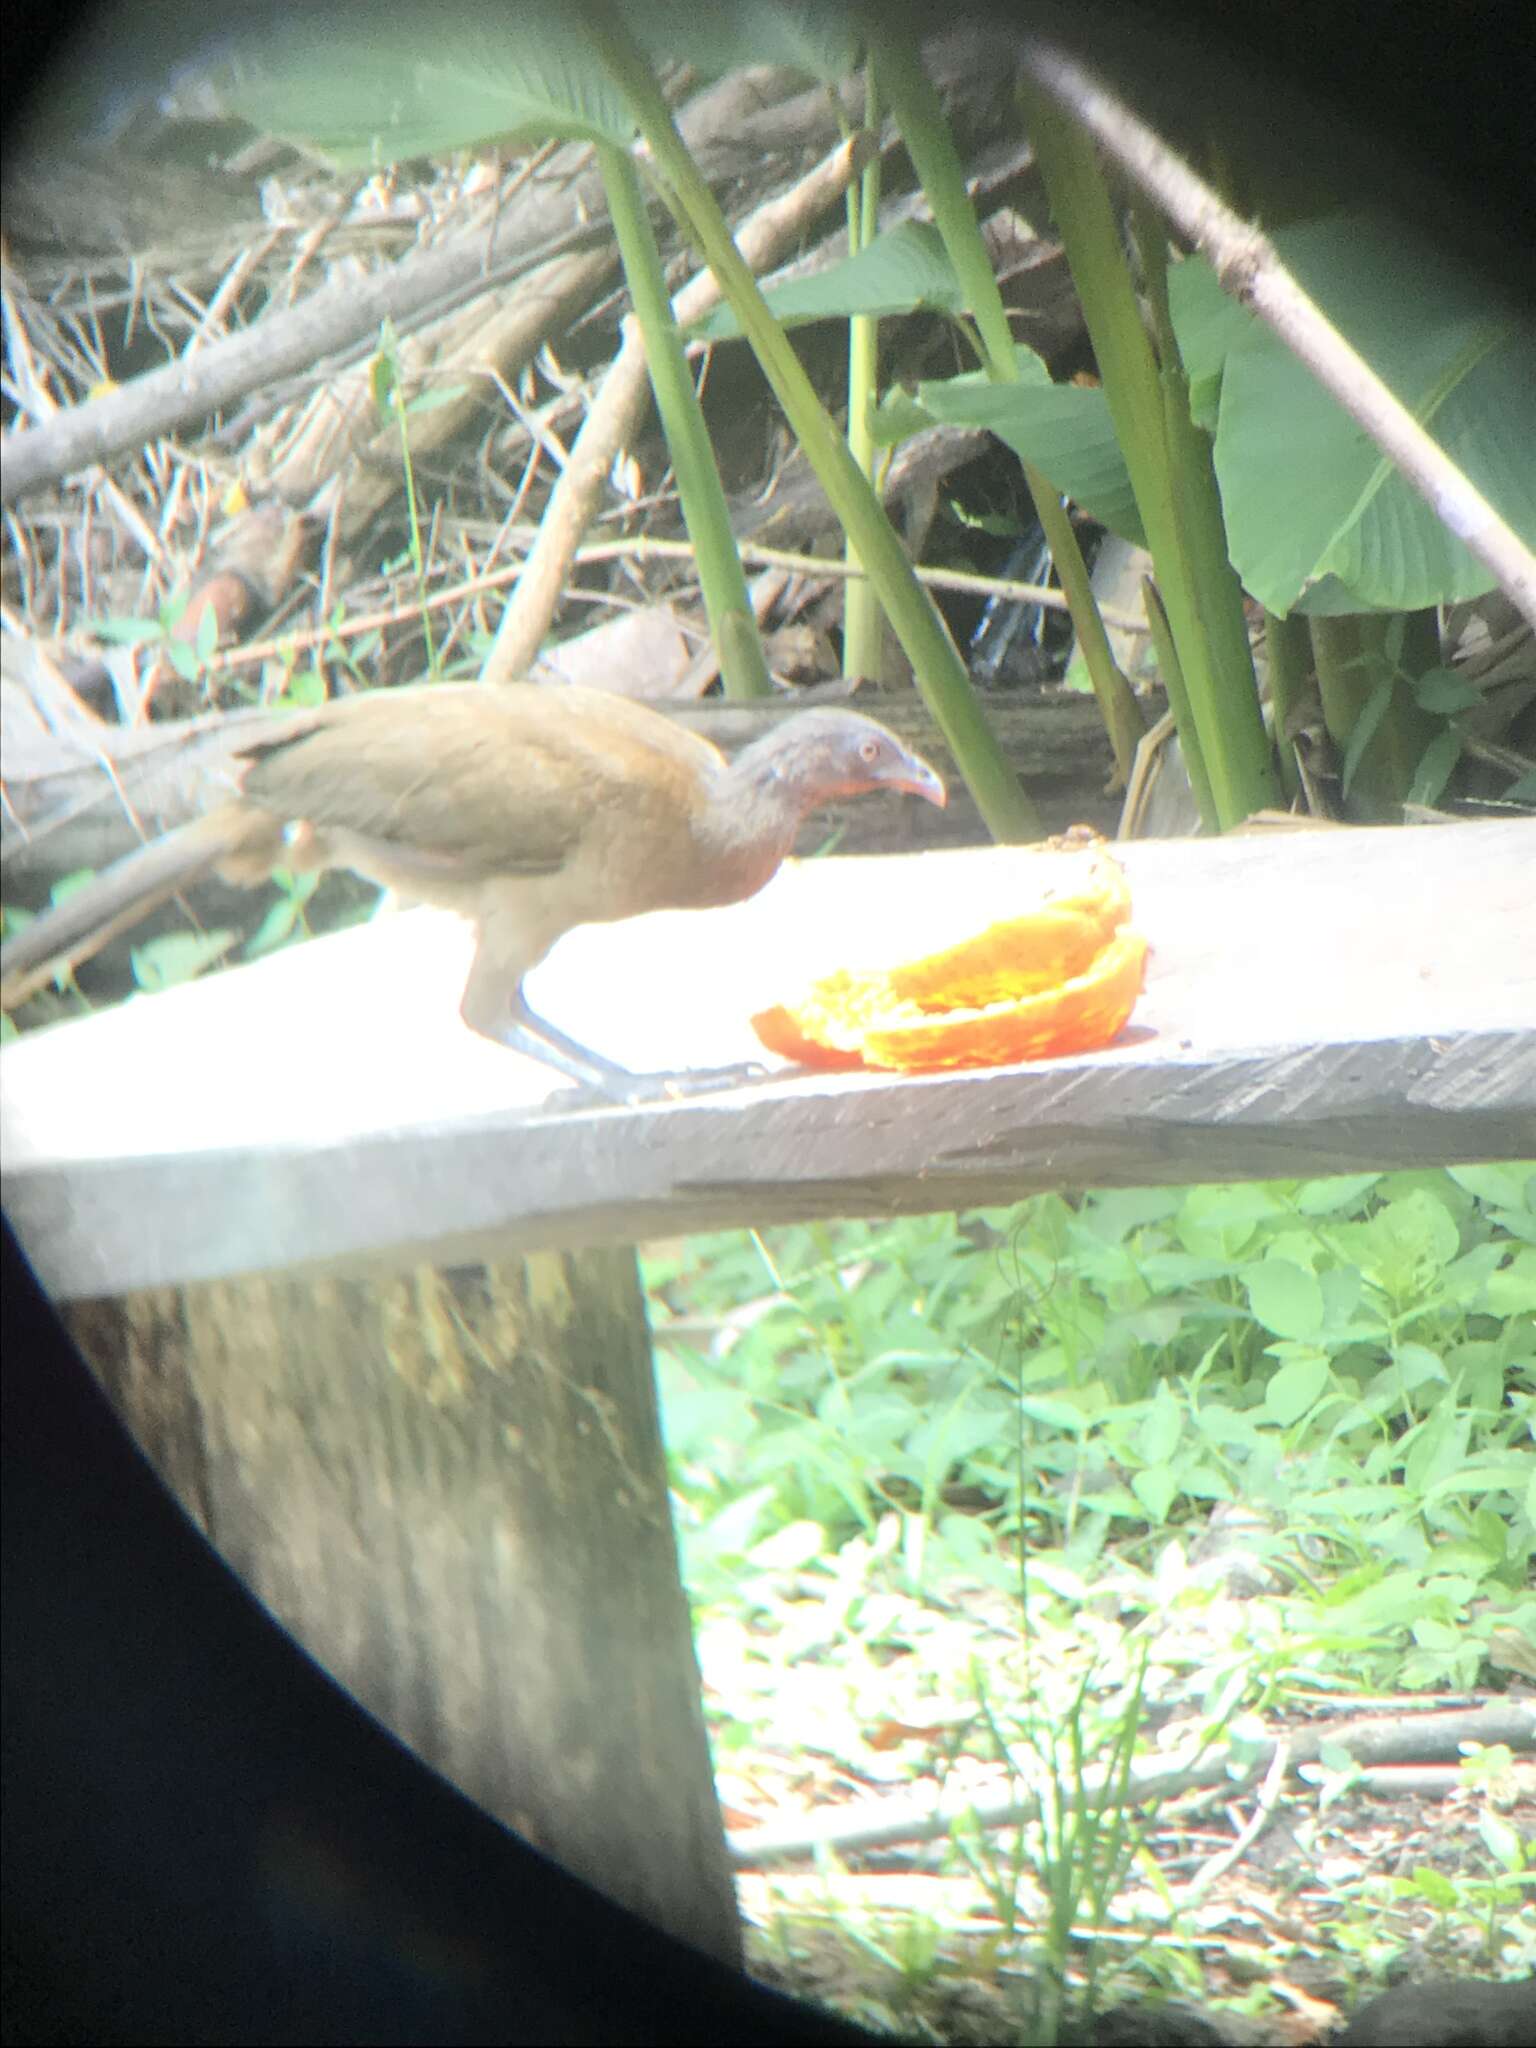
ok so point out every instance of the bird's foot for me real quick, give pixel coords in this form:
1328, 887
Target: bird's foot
710, 1080
634, 1091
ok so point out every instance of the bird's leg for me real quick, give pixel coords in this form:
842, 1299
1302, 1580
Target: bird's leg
522, 1030
603, 1081
494, 1005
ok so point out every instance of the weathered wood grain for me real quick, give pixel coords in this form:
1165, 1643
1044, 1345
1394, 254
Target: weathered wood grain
449, 1485
1317, 1002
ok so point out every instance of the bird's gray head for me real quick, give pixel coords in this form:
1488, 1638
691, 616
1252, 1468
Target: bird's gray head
818, 756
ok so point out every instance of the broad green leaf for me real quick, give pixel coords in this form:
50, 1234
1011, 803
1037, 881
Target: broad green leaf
1431, 1883
1156, 1489
1396, 1600
1161, 1429
176, 957
1286, 1299
408, 84
69, 885
1407, 1242
1291, 1391
1053, 1415
1489, 1474
1340, 1191
1209, 324
1436, 1447
1366, 1502
304, 689
1512, 1291
1415, 1364
1444, 690
1062, 430
1117, 1211
1466, 1279
900, 272
276, 926
1372, 712
1218, 1222
1502, 1842
1506, 1187
125, 632
818, 41
1316, 516
1436, 762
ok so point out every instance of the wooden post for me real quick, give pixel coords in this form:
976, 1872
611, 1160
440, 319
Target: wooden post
449, 1485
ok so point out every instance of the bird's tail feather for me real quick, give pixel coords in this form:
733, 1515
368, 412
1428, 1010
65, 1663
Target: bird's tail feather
118, 898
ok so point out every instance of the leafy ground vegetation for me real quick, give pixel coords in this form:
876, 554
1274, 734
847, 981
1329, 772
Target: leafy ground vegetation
1269, 1451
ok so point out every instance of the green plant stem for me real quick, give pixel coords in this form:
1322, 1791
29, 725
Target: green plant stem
863, 620
1364, 667
1202, 531
898, 67
1178, 699
1288, 647
1179, 509
743, 667
1123, 722
387, 367
940, 673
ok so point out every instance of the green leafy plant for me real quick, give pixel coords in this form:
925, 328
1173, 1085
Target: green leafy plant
286, 915
386, 382
1354, 1360
1086, 1837
189, 657
1499, 1899
1341, 1371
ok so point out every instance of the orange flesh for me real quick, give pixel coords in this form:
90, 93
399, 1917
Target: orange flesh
1060, 979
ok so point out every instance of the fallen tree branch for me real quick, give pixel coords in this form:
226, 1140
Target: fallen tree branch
1374, 1743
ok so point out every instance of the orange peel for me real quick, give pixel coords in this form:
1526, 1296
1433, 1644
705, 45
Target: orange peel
1060, 979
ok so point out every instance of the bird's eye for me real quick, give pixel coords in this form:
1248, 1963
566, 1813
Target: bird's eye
869, 750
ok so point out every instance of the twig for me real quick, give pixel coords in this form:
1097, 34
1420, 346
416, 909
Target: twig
1258, 1820
639, 547
830, 569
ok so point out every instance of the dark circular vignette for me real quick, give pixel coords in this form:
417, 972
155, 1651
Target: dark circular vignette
158, 1726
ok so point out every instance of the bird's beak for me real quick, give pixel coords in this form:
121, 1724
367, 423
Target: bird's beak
913, 774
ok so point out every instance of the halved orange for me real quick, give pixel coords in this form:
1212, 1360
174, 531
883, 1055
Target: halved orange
1062, 978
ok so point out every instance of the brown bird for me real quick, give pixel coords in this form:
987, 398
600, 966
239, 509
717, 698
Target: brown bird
526, 810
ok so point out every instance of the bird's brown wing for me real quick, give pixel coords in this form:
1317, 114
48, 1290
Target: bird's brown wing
490, 780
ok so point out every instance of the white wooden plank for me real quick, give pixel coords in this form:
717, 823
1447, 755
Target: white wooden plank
1316, 1002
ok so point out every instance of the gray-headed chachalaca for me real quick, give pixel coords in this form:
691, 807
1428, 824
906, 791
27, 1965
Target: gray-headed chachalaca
526, 810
